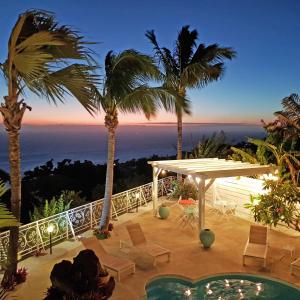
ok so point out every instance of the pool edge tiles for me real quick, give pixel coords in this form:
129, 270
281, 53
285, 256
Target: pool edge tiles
252, 285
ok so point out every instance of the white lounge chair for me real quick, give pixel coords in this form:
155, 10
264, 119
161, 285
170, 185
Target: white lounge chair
257, 245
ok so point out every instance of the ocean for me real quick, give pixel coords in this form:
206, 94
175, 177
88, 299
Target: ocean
42, 143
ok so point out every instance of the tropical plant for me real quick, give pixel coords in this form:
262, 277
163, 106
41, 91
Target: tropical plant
189, 66
51, 61
281, 204
290, 114
213, 146
286, 128
55, 206
2, 188
7, 219
287, 161
185, 190
125, 89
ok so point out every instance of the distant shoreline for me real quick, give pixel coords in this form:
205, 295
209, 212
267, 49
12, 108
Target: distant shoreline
148, 124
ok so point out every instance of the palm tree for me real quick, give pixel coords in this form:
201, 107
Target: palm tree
288, 162
125, 90
290, 114
51, 61
213, 146
189, 66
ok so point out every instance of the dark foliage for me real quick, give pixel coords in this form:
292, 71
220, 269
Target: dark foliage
80, 280
50, 180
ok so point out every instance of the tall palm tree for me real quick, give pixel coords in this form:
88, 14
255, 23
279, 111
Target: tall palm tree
125, 90
189, 66
51, 61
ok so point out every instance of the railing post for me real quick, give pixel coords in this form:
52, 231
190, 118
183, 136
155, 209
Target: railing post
38, 234
164, 187
91, 215
127, 202
142, 196
70, 223
114, 209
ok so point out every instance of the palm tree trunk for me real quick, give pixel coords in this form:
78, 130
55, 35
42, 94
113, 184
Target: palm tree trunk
179, 134
12, 111
111, 121
15, 182
181, 92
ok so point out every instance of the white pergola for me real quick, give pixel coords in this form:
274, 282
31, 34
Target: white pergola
203, 172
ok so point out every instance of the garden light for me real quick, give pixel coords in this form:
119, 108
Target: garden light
50, 230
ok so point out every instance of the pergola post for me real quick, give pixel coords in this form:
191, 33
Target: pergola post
201, 202
155, 173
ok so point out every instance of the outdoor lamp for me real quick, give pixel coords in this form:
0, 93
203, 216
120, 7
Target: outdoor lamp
50, 230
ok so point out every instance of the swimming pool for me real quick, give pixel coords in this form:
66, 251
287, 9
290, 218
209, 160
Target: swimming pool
221, 287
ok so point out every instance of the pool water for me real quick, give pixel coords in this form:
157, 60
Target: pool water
221, 287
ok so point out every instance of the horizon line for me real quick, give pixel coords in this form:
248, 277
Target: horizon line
141, 124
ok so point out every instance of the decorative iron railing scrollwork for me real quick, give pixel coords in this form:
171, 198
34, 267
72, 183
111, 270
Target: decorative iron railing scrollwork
34, 236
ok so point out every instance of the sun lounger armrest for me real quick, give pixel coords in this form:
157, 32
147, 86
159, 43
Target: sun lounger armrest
127, 243
247, 243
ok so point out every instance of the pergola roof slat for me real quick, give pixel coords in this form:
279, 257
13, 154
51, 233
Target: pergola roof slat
213, 167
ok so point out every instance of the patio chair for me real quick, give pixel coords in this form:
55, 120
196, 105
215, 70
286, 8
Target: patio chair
116, 264
257, 245
295, 267
139, 241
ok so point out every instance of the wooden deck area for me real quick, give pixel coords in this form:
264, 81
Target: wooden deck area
189, 259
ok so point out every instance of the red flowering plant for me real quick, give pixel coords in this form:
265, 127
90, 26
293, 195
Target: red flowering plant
103, 234
19, 277
279, 205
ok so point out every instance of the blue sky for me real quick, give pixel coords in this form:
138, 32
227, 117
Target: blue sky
265, 34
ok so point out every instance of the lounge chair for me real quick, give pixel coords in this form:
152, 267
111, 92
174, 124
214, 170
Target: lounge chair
295, 267
116, 264
139, 241
257, 245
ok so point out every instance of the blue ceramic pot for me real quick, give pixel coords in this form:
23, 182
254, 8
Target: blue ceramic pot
164, 212
207, 237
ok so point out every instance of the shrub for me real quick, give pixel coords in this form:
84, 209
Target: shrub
185, 190
54, 206
103, 234
80, 280
280, 205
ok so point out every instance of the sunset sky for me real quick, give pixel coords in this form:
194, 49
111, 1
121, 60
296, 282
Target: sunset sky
265, 34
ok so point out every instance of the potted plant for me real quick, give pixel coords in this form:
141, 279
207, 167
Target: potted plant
103, 234
164, 211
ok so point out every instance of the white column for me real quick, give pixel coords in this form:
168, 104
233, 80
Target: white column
155, 173
201, 203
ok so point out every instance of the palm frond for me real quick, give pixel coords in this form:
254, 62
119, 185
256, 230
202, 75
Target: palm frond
7, 219
212, 54
143, 99
163, 54
199, 75
245, 156
3, 188
185, 44
41, 58
126, 71
74, 79
291, 112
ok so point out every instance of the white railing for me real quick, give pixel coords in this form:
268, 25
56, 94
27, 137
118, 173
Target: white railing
34, 236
